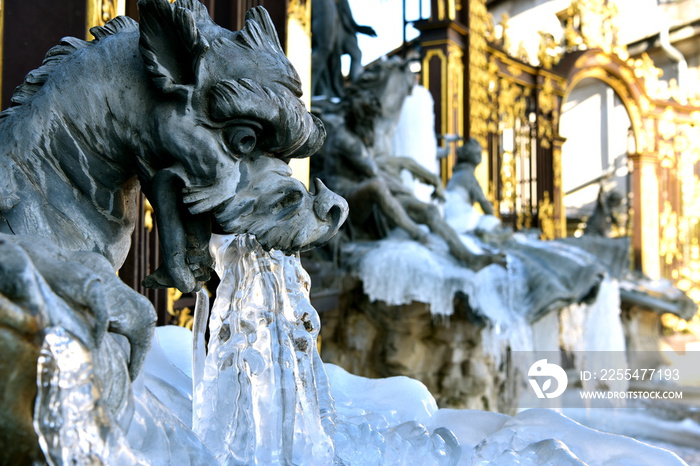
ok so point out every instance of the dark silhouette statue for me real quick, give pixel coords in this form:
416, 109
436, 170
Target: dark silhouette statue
604, 217
334, 34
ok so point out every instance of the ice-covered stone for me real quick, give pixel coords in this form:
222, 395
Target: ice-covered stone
264, 397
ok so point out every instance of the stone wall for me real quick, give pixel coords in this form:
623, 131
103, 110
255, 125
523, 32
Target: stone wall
373, 339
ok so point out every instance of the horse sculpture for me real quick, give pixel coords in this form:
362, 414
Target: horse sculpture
203, 120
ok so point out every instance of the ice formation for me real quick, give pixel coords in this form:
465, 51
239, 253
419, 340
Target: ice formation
593, 333
70, 417
264, 397
414, 138
396, 421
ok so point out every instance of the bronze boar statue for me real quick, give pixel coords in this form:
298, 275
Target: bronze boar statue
203, 120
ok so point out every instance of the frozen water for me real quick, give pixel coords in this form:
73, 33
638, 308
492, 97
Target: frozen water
596, 326
545, 437
542, 437
463, 217
385, 421
70, 417
414, 138
639, 423
594, 333
382, 421
260, 400
545, 333
264, 397
398, 270
402, 271
75, 427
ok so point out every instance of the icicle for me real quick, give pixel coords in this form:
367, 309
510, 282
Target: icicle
199, 327
262, 397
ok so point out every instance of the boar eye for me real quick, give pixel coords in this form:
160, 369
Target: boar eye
242, 139
290, 198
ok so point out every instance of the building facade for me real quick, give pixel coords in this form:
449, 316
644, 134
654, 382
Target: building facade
569, 98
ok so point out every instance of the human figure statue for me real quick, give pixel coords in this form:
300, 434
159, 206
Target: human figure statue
366, 182
603, 218
334, 33
464, 180
463, 191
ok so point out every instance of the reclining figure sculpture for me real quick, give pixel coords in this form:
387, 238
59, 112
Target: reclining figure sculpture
360, 165
204, 121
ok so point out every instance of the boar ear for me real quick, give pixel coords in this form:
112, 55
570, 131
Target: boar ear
260, 29
170, 45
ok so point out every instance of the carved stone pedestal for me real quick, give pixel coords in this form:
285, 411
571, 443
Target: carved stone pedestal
373, 339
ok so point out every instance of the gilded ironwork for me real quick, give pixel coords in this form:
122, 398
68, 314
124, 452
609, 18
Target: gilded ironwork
508, 182
649, 220
180, 317
425, 78
557, 168
503, 26
300, 11
491, 105
523, 218
668, 244
455, 97
490, 32
558, 198
549, 52
686, 271
688, 277
664, 135
592, 24
645, 69
173, 295
521, 53
438, 54
572, 38
101, 11
545, 212
511, 102
147, 215
447, 9
548, 104
667, 131
186, 318
479, 106
511, 111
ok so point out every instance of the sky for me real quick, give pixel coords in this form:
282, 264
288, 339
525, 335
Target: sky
386, 17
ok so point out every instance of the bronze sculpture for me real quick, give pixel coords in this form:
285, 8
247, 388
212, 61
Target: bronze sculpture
604, 217
334, 34
464, 182
360, 166
203, 120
